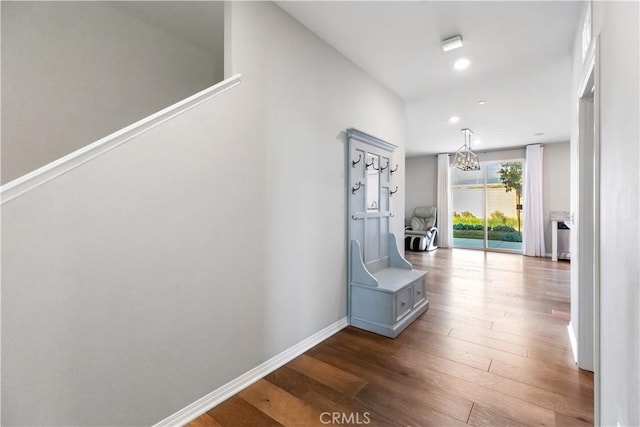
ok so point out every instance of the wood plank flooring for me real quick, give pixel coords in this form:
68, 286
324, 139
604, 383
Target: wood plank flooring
492, 350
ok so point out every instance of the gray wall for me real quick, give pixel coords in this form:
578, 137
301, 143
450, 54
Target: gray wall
617, 25
422, 183
557, 184
74, 72
619, 203
219, 242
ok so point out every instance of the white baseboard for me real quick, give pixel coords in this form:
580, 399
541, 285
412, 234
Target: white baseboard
238, 384
574, 342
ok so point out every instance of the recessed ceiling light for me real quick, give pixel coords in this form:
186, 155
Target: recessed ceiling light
461, 64
538, 134
477, 141
482, 102
451, 43
454, 119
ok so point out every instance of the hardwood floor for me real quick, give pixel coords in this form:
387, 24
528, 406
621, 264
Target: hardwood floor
492, 350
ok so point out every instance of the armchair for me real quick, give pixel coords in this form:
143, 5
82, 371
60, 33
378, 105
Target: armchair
422, 234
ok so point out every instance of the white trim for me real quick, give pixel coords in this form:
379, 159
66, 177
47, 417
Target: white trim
585, 280
587, 69
574, 343
597, 232
202, 405
46, 173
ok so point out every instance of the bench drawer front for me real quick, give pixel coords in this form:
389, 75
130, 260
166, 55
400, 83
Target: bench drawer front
403, 302
419, 293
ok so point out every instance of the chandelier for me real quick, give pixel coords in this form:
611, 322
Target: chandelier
466, 159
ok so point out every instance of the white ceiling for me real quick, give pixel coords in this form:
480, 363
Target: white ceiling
520, 64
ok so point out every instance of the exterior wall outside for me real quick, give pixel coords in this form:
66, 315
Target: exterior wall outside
472, 200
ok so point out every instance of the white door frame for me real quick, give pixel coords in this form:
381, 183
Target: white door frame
585, 271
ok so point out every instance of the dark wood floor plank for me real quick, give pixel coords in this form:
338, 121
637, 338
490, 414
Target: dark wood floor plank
543, 331
572, 421
424, 340
551, 354
521, 350
325, 398
583, 390
491, 417
397, 383
331, 376
472, 384
572, 405
205, 420
486, 314
516, 336
531, 306
566, 372
238, 412
411, 411
423, 322
492, 350
460, 317
448, 324
281, 405
425, 344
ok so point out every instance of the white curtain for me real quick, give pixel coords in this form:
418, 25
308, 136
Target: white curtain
533, 234
445, 227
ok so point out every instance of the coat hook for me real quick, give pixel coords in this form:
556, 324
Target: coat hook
381, 169
353, 217
368, 164
354, 163
354, 189
391, 214
391, 193
393, 170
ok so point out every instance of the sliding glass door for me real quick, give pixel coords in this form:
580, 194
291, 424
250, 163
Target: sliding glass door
487, 206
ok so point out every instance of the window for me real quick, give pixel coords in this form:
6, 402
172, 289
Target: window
487, 206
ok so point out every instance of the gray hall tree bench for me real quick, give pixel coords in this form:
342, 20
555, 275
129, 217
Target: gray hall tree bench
385, 293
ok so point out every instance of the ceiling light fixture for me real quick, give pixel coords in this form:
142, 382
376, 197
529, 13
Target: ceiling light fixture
452, 43
454, 119
466, 159
482, 102
461, 64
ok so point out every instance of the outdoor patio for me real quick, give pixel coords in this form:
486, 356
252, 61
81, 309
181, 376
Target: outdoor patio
459, 242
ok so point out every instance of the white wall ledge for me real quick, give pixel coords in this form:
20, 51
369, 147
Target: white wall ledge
46, 173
